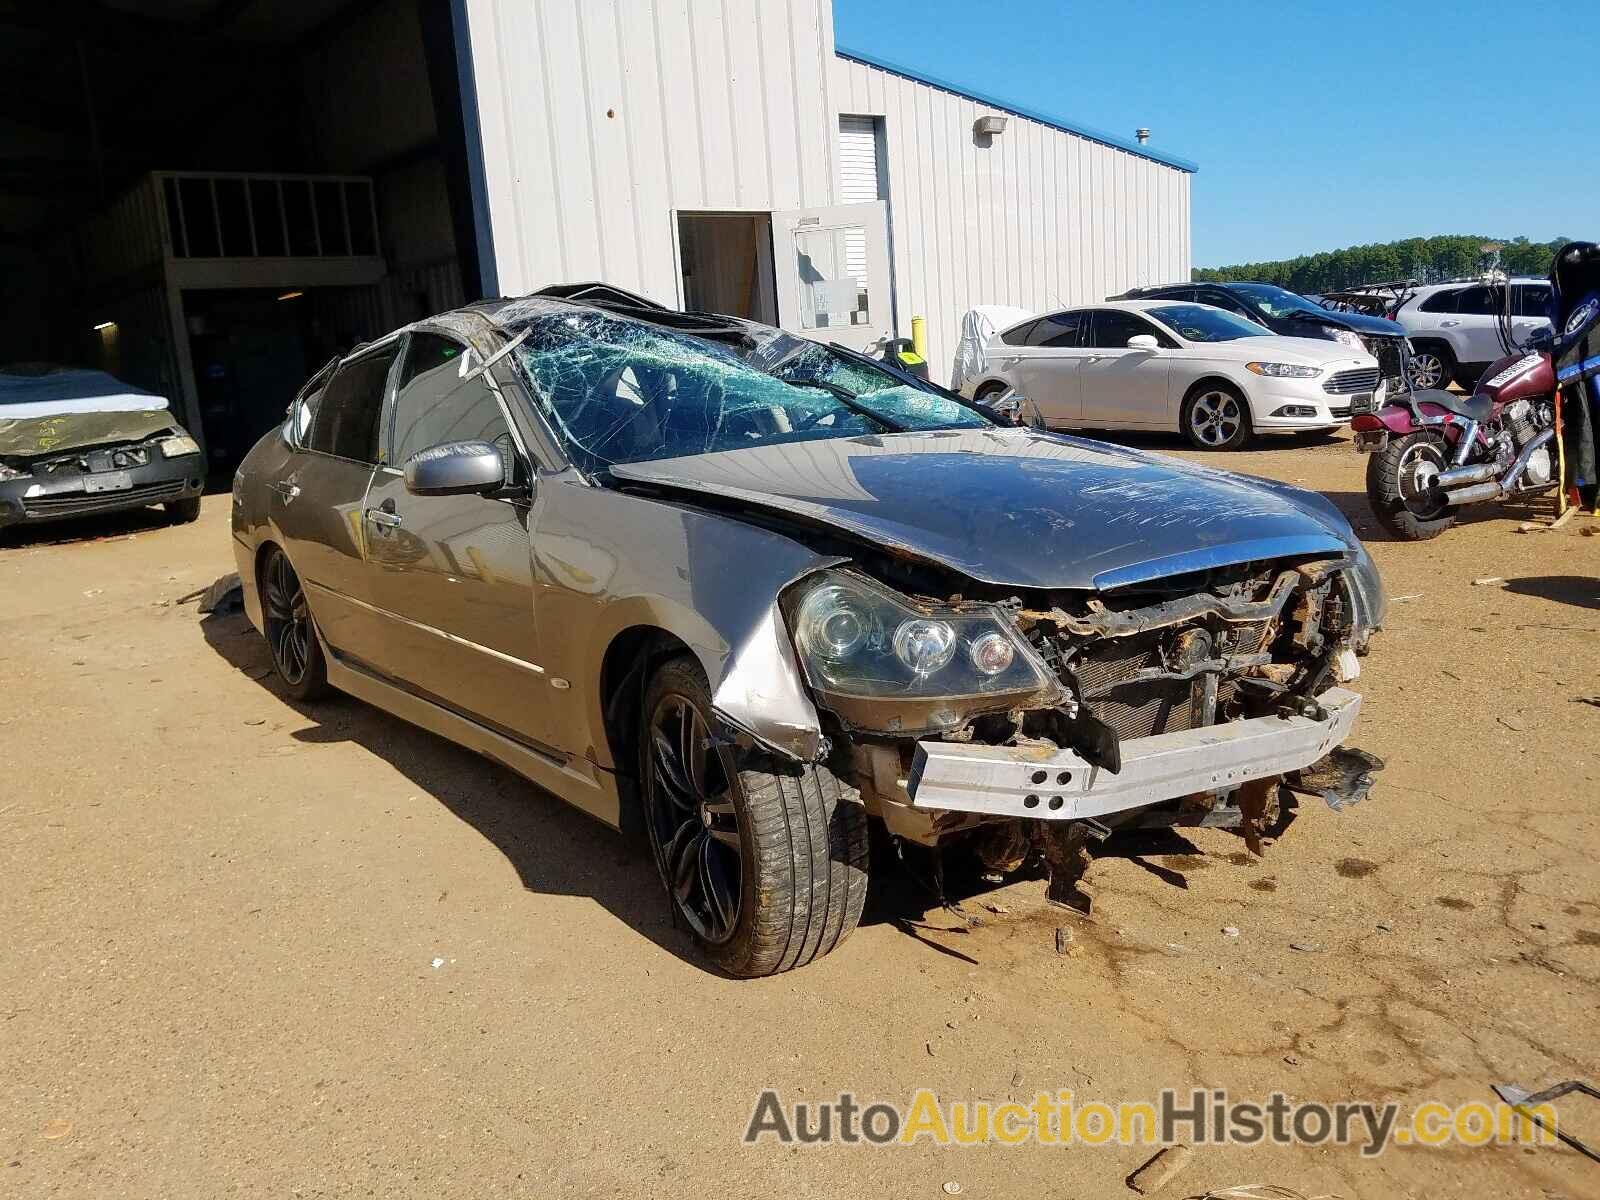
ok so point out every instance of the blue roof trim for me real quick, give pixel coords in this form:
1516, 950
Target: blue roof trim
1084, 131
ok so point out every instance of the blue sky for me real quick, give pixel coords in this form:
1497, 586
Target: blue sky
1314, 127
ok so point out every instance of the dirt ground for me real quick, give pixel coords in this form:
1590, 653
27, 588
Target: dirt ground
255, 947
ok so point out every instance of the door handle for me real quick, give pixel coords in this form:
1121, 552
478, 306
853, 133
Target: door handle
384, 519
1448, 324
286, 488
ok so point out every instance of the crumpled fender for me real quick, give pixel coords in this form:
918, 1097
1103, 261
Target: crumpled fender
607, 563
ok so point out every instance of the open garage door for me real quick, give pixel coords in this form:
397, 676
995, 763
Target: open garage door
208, 198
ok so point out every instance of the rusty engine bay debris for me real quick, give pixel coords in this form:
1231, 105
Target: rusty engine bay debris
1170, 660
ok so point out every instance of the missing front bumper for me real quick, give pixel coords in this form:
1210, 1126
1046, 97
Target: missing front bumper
1008, 781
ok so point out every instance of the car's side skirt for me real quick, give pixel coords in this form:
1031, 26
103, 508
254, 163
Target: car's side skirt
576, 780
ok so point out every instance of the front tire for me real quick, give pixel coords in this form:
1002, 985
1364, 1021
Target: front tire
1400, 491
291, 633
1216, 417
769, 871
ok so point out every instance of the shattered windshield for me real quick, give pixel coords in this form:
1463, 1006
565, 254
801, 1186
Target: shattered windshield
621, 391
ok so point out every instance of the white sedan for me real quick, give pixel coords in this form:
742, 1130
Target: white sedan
1161, 364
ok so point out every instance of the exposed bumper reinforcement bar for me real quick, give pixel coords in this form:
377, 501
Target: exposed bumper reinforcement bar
1011, 781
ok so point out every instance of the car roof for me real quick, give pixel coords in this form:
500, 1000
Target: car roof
486, 325
1458, 284
1152, 288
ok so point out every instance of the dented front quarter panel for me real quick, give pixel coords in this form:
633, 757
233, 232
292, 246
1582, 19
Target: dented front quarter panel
607, 562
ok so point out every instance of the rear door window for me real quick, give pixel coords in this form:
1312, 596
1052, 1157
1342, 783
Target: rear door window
344, 421
1058, 331
1532, 300
1017, 335
1440, 302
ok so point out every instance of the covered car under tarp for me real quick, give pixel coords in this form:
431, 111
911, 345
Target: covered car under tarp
978, 326
45, 408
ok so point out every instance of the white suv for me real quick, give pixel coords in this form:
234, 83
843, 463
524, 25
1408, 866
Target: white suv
1454, 327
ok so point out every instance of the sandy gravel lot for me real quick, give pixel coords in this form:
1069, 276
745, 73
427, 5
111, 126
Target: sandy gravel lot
253, 947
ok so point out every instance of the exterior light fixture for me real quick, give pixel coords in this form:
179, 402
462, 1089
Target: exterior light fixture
105, 325
988, 126
291, 296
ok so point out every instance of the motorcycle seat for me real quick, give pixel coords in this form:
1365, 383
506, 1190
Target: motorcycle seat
1474, 408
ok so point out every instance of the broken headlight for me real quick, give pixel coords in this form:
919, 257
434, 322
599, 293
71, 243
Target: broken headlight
885, 662
8, 473
178, 445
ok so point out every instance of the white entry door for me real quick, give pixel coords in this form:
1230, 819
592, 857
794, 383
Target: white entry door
832, 269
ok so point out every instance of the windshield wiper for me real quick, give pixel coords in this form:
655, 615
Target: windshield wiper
849, 401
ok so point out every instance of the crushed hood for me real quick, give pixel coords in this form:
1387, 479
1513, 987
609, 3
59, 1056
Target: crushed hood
29, 437
1018, 507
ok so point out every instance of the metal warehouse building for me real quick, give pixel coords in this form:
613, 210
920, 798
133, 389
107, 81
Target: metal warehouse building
209, 197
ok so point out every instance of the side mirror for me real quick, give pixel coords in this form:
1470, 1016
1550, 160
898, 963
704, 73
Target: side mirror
455, 469
1143, 341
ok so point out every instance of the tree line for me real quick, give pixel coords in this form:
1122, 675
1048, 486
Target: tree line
1425, 260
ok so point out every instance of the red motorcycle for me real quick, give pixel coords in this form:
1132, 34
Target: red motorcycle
1434, 452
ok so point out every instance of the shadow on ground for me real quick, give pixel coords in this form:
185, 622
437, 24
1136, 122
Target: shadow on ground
556, 850
1580, 591
85, 529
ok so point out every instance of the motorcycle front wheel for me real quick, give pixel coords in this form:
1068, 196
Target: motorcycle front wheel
1401, 487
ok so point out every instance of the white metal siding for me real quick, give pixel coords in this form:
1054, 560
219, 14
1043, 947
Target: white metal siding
1040, 218
601, 117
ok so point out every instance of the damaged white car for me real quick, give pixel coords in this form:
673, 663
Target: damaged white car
76, 442
764, 593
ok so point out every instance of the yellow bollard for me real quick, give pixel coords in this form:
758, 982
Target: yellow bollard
919, 336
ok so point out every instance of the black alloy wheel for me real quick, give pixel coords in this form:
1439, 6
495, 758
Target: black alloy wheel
693, 821
296, 654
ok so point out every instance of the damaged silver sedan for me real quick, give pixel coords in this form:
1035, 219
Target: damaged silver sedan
760, 594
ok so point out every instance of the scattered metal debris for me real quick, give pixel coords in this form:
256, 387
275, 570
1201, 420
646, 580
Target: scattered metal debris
1342, 778
1524, 1102
226, 595
1306, 947
1488, 581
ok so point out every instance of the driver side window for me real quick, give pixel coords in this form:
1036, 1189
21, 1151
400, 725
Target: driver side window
434, 404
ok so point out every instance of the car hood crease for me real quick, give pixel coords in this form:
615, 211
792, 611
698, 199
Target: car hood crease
1015, 507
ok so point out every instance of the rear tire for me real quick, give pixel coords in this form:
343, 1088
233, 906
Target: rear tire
291, 632
183, 511
1393, 493
796, 844
1216, 416
989, 391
